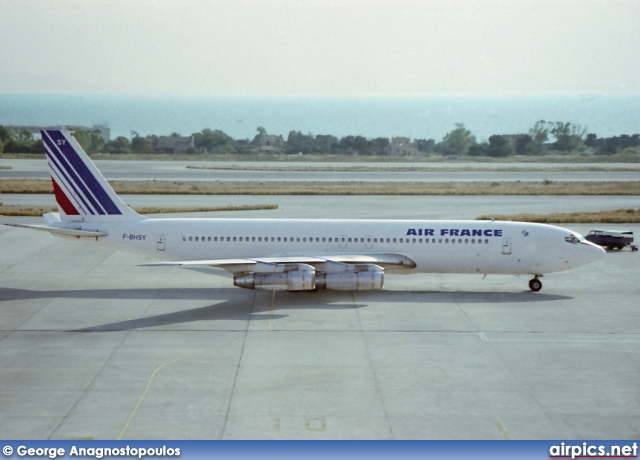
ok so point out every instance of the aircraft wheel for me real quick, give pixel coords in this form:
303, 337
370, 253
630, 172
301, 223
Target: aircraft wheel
535, 285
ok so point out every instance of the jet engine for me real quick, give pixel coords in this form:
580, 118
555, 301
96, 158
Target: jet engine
350, 281
299, 280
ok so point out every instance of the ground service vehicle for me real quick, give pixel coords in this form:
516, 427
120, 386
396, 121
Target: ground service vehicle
612, 239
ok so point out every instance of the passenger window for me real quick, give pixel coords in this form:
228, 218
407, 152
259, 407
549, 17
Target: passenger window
395, 240
184, 238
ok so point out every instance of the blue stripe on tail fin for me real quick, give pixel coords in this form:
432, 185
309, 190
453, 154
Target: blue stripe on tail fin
80, 184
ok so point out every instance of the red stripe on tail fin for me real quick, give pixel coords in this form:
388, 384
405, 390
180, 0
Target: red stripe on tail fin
68, 208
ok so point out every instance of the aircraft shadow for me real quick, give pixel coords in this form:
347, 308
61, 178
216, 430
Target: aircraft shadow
237, 304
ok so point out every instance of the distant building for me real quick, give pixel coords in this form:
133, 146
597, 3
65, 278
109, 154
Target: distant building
174, 144
402, 146
271, 144
104, 131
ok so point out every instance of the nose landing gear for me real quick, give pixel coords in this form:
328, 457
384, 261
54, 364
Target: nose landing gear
535, 284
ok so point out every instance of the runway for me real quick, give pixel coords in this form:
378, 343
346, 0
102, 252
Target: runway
364, 207
467, 172
93, 346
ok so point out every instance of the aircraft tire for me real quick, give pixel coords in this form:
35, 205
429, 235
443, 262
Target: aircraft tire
535, 285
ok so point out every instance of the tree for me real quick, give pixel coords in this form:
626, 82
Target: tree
261, 132
213, 141
524, 145
97, 142
4, 134
118, 145
299, 143
83, 138
458, 141
325, 144
380, 146
141, 144
500, 146
568, 136
1, 147
539, 135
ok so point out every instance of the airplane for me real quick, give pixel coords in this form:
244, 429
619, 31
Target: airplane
299, 254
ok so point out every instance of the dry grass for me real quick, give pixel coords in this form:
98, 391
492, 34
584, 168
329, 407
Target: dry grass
617, 216
23, 211
452, 168
20, 186
244, 207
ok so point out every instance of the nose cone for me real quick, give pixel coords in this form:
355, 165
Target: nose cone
589, 252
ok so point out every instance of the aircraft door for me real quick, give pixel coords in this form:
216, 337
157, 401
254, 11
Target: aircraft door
506, 246
160, 245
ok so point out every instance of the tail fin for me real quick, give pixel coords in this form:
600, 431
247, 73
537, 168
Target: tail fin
82, 193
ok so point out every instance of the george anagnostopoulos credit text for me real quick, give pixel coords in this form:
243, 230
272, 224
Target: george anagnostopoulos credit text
97, 452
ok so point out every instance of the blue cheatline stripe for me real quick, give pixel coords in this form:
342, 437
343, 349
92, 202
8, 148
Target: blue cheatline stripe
89, 179
55, 174
57, 168
63, 158
77, 184
71, 171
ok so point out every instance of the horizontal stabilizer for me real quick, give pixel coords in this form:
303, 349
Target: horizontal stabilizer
62, 231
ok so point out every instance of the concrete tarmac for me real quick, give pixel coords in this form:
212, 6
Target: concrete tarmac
468, 172
93, 346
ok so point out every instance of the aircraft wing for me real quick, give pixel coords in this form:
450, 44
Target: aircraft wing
325, 263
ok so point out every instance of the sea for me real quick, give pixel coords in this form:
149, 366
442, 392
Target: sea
239, 117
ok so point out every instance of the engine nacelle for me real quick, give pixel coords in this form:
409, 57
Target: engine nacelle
350, 281
298, 280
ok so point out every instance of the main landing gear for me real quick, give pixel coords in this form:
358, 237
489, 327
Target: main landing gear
535, 284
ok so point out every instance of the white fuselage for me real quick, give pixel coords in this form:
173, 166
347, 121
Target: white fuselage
484, 247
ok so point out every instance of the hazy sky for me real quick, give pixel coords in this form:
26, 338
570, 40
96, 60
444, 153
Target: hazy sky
320, 47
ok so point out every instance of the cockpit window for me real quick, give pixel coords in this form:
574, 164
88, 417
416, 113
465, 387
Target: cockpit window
572, 239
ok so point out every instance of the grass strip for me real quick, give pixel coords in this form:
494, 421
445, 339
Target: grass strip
301, 168
617, 216
547, 187
36, 212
